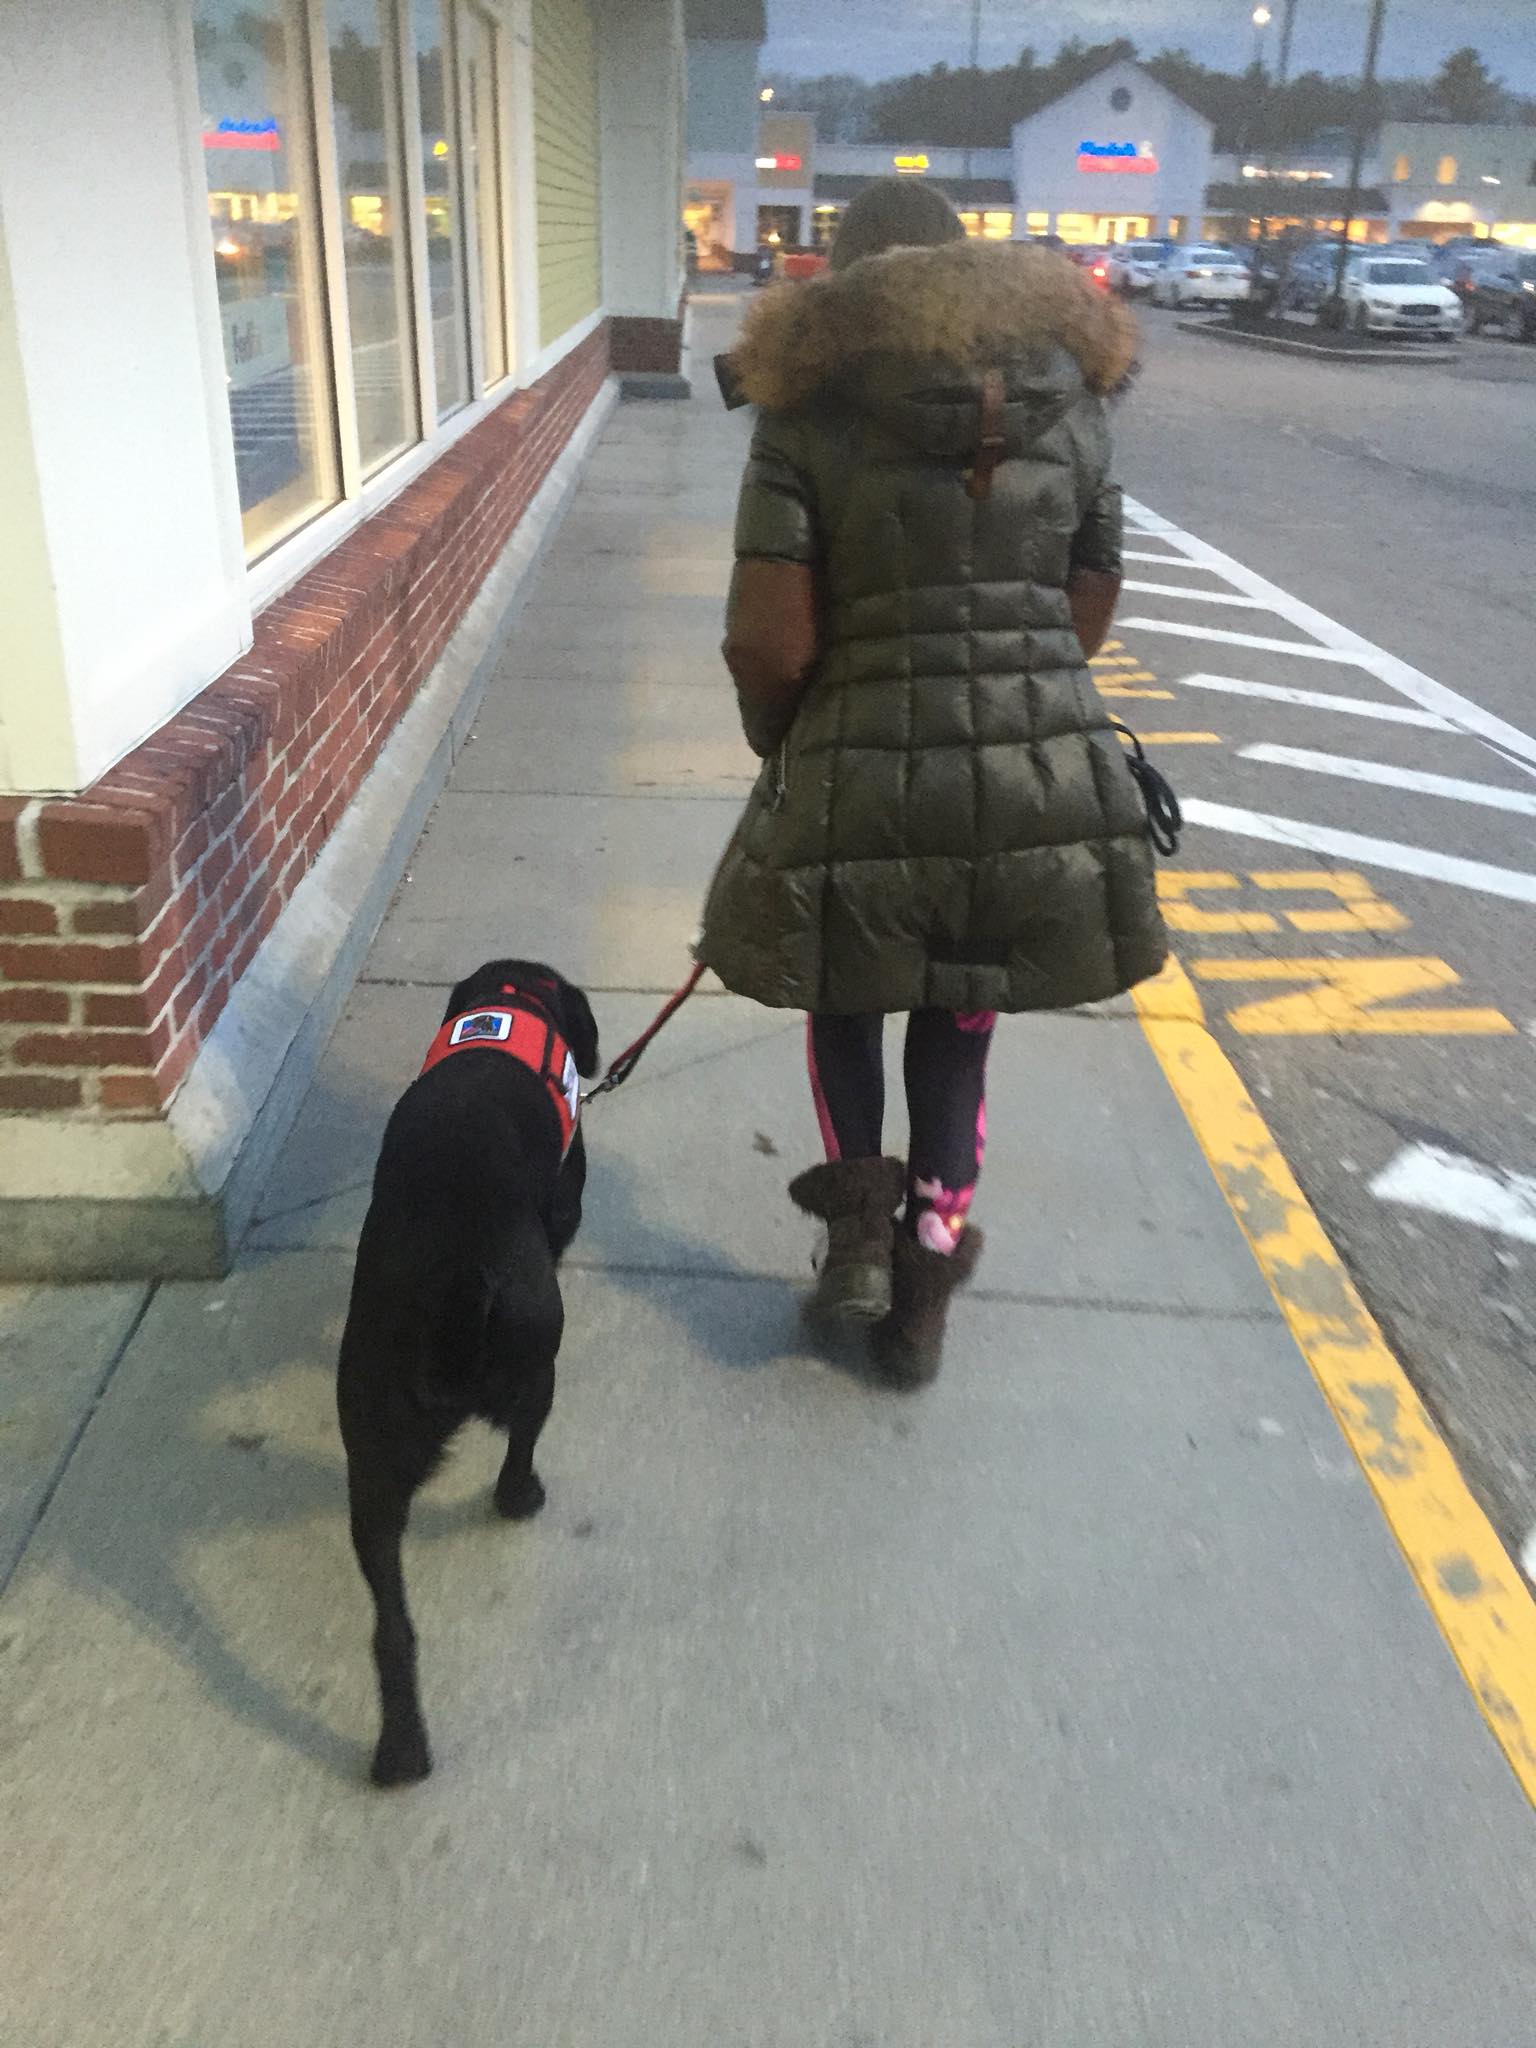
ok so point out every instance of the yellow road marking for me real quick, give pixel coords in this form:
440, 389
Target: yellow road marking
1175, 886
1113, 690
1472, 1588
1361, 908
1344, 996
1180, 739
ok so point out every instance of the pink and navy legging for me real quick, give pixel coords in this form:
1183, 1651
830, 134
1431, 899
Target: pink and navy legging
945, 1072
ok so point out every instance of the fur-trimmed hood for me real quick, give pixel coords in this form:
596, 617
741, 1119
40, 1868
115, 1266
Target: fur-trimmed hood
960, 308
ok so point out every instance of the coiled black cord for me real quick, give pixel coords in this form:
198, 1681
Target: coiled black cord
1165, 820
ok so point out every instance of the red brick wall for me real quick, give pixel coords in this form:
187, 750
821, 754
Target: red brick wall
127, 914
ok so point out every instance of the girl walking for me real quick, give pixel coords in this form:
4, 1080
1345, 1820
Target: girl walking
928, 550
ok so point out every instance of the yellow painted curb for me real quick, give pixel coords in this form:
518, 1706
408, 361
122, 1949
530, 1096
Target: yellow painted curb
1476, 1594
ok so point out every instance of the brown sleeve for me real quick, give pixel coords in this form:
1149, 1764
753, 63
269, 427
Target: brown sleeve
770, 644
1093, 595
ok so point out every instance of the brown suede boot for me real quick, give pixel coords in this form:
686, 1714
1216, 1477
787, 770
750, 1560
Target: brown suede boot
909, 1345
857, 1200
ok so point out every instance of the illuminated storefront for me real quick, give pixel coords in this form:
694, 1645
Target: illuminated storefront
978, 181
1447, 178
315, 305
1118, 158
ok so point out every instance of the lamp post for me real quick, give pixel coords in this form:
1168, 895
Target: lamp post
1269, 303
1261, 20
1364, 113
970, 127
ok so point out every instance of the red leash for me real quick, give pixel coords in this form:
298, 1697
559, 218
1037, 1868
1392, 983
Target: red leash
627, 1061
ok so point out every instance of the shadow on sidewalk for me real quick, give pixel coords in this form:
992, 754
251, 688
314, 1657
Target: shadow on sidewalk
206, 1501
748, 1324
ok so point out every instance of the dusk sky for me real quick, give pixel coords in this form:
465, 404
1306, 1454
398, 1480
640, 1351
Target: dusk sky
880, 38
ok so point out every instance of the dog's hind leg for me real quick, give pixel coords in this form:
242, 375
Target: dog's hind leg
519, 1489
380, 1507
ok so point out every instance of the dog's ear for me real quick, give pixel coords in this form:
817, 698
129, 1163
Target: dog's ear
580, 1028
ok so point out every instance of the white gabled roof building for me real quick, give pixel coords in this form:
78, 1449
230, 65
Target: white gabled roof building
1118, 156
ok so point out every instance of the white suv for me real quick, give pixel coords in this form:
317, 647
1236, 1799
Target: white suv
1398, 295
1200, 276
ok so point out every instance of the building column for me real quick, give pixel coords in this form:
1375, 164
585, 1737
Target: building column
119, 518
641, 91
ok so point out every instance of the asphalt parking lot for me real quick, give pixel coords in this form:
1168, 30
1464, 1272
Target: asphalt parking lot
1331, 612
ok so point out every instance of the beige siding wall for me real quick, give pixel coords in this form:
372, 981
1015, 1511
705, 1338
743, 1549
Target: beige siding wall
566, 158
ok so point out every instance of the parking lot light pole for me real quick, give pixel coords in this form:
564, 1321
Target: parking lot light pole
975, 107
1261, 20
1271, 111
1363, 119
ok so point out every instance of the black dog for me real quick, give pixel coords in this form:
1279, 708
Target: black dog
456, 1307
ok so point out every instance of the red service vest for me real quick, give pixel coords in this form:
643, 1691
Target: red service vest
531, 1040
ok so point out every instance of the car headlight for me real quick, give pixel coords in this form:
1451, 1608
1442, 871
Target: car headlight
1379, 305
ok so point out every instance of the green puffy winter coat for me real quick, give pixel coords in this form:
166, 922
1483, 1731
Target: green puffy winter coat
945, 818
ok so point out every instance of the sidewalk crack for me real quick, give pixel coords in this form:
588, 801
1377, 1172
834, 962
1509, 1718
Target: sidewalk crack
66, 1457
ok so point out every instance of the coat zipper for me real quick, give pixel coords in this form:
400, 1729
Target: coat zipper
779, 792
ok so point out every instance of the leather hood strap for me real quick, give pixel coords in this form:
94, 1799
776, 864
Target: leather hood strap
992, 443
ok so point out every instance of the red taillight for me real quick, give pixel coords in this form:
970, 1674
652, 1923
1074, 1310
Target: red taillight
1099, 270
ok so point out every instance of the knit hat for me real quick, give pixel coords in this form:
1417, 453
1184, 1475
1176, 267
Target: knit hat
896, 213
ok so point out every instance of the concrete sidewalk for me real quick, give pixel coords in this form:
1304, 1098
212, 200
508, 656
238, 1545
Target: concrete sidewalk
1084, 1699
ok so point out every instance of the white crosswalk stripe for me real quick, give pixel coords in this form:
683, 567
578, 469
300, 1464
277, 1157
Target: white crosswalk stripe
1421, 781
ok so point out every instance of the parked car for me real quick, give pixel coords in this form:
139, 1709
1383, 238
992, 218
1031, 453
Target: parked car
1398, 295
1438, 253
1200, 276
1460, 268
1503, 294
1131, 266
1309, 279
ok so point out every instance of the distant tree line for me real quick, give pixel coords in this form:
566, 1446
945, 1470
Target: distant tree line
962, 108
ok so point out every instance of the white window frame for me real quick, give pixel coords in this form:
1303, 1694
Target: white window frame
275, 571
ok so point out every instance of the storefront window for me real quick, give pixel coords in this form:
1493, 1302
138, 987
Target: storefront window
824, 225
444, 204
370, 169
253, 86
482, 141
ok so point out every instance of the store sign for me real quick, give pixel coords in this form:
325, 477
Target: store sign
228, 134
1116, 156
910, 163
780, 163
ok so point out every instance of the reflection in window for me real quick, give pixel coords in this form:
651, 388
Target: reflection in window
485, 160
1401, 170
445, 254
370, 169
1445, 171
257, 150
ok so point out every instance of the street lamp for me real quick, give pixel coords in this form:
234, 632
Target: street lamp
970, 125
1261, 18
1365, 118
766, 94
1258, 124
